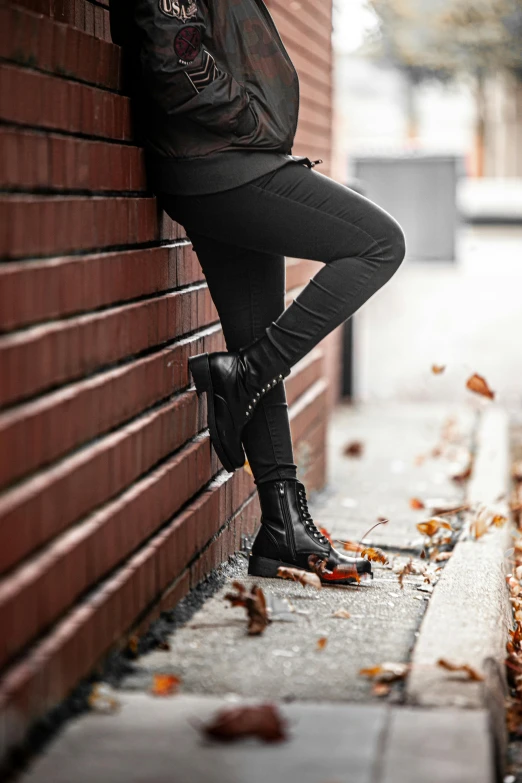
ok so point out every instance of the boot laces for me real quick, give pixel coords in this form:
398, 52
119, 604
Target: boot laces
307, 517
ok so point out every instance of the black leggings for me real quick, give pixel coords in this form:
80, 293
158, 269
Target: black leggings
241, 237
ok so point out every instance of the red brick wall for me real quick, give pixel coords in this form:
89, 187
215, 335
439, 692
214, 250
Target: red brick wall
112, 502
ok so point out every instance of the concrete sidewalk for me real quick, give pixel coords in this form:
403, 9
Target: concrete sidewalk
340, 731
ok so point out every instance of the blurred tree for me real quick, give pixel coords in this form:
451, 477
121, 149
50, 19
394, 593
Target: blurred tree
447, 38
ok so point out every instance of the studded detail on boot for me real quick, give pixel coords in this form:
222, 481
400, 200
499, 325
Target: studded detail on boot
234, 384
288, 537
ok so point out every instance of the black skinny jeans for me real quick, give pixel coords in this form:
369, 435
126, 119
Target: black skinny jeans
241, 237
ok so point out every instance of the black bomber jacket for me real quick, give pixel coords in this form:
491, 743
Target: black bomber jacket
215, 94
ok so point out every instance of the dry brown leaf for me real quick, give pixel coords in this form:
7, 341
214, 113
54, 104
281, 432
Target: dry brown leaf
322, 642
442, 511
499, 520
263, 721
476, 383
437, 369
381, 689
478, 527
432, 526
342, 613
386, 672
298, 575
132, 645
441, 557
416, 503
404, 571
464, 667
102, 699
374, 554
464, 474
164, 684
163, 645
255, 605
248, 468
353, 449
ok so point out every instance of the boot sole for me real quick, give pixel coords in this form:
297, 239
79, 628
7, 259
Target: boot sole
199, 366
265, 567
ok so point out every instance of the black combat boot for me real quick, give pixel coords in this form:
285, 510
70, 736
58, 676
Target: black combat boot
289, 537
234, 384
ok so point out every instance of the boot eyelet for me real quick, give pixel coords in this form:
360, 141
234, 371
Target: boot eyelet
280, 377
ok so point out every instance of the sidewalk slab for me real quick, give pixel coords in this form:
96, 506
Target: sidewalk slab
157, 740
437, 746
469, 615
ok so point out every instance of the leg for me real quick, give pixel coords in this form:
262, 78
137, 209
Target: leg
248, 289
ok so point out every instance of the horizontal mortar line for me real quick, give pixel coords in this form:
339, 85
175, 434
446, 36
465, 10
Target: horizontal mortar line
26, 66
97, 439
39, 190
70, 134
95, 250
35, 553
79, 255
126, 360
115, 305
155, 295
19, 656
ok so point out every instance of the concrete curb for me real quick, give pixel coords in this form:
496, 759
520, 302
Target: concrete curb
469, 614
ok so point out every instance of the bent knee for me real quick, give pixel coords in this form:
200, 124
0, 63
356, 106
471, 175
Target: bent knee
396, 243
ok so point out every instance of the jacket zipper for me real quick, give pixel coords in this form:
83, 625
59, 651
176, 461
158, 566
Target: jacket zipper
268, 16
286, 517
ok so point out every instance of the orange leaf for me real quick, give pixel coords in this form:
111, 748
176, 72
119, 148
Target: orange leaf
263, 721
298, 575
453, 667
386, 672
351, 546
499, 520
165, 684
255, 605
416, 503
248, 468
476, 383
432, 526
375, 555
478, 527
322, 642
381, 689
437, 369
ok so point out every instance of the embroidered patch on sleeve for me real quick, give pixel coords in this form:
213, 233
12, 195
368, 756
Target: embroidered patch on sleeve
184, 10
187, 44
203, 75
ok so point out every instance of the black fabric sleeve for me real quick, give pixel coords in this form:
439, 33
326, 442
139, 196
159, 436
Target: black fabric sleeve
181, 75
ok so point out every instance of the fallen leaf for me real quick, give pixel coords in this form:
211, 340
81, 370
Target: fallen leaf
322, 642
476, 383
354, 449
464, 474
342, 613
454, 667
374, 555
298, 575
163, 645
499, 520
478, 527
381, 689
102, 699
404, 571
441, 557
255, 605
416, 503
247, 468
164, 684
437, 369
432, 526
386, 672
263, 721
441, 511
132, 645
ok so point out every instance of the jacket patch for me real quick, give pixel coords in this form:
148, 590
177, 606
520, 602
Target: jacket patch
179, 9
204, 74
187, 44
